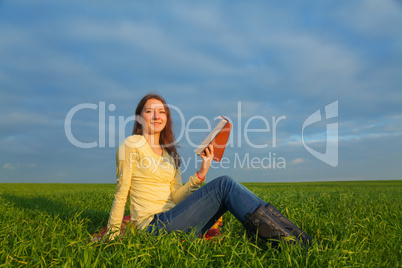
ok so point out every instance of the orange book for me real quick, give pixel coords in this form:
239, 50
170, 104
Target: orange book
218, 137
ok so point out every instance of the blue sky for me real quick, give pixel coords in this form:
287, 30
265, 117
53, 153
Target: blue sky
252, 61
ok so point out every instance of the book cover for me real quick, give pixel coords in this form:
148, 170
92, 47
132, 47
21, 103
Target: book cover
218, 137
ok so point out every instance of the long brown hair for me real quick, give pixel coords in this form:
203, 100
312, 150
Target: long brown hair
167, 139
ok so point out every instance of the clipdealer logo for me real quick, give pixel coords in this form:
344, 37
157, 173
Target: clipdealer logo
108, 127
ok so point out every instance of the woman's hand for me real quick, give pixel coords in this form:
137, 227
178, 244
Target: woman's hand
207, 157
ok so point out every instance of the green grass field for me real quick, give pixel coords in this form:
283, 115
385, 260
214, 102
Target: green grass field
357, 224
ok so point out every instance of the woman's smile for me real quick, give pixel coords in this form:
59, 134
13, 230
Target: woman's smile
153, 116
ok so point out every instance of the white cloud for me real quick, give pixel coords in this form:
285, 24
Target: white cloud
27, 118
376, 18
10, 166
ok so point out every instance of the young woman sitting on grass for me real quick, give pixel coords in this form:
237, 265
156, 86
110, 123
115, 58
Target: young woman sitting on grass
148, 173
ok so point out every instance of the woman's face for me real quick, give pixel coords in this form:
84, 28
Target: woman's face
153, 117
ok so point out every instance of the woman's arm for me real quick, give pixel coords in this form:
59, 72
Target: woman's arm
180, 191
125, 161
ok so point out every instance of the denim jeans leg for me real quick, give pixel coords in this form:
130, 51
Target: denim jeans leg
200, 210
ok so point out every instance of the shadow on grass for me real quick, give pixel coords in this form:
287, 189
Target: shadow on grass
32, 206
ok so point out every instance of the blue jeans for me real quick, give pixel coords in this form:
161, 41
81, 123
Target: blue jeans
205, 206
